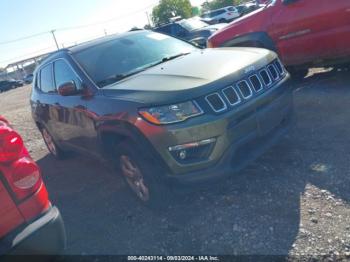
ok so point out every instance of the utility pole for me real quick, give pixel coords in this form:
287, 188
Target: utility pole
149, 20
54, 38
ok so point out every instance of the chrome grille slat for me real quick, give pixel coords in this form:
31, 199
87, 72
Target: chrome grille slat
212, 103
263, 77
273, 71
257, 87
253, 84
227, 96
244, 85
279, 67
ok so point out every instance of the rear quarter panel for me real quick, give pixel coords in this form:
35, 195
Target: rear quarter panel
10, 217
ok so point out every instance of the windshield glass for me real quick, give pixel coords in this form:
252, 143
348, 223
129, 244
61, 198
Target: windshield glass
127, 55
192, 24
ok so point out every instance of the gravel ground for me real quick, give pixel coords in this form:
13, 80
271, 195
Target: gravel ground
294, 200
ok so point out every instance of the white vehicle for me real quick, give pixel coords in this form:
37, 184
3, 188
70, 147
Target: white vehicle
222, 15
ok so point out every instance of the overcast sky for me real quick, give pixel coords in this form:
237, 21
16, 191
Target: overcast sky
21, 18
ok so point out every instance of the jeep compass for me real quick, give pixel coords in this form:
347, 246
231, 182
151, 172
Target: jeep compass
164, 111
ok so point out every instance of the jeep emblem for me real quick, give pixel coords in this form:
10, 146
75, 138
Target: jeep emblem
249, 69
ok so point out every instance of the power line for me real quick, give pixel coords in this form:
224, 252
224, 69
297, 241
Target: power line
76, 27
108, 20
28, 54
22, 38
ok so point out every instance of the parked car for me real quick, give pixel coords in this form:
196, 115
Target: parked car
28, 79
192, 30
303, 33
6, 85
16, 83
222, 15
29, 224
165, 111
247, 8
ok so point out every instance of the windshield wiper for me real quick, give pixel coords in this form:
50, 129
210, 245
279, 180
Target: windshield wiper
167, 58
115, 78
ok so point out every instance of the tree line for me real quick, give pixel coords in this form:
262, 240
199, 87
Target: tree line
170, 8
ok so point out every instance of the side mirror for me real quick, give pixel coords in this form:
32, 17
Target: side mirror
68, 89
287, 2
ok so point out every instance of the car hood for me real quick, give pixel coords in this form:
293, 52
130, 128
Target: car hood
194, 74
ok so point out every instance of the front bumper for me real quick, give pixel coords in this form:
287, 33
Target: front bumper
44, 236
242, 135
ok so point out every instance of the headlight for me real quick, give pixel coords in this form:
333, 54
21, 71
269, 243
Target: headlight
169, 114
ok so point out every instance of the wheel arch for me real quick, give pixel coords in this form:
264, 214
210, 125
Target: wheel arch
259, 39
112, 135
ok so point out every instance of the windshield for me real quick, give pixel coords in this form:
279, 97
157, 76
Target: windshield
121, 57
192, 24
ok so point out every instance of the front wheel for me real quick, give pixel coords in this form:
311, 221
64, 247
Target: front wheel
51, 145
142, 177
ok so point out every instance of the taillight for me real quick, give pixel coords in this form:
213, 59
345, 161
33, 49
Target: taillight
11, 144
25, 178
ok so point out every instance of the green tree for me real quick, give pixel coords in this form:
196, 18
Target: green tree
170, 8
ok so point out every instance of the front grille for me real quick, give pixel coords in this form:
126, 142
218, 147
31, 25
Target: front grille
231, 95
216, 102
265, 77
279, 67
253, 84
244, 88
273, 72
256, 83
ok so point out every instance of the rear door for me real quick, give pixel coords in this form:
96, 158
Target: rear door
308, 30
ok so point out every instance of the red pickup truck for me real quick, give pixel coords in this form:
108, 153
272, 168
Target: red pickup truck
29, 224
304, 33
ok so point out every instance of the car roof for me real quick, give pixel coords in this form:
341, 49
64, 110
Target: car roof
222, 8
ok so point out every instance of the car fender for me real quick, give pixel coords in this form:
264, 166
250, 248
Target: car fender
259, 39
110, 133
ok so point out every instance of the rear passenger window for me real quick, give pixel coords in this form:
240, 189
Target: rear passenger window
46, 80
64, 73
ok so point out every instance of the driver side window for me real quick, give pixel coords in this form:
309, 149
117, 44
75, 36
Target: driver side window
64, 73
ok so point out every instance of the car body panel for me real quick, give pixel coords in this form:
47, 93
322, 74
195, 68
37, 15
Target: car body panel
114, 109
17, 216
303, 31
10, 217
198, 36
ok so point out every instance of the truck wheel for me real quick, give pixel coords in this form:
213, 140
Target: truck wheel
141, 176
51, 145
298, 74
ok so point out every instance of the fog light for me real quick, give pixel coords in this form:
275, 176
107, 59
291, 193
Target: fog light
183, 154
192, 152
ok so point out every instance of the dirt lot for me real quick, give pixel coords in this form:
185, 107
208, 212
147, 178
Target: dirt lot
294, 200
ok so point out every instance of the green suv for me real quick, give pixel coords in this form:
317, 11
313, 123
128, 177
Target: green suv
163, 110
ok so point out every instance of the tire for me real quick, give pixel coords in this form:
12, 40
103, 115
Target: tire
51, 145
298, 74
142, 177
222, 20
